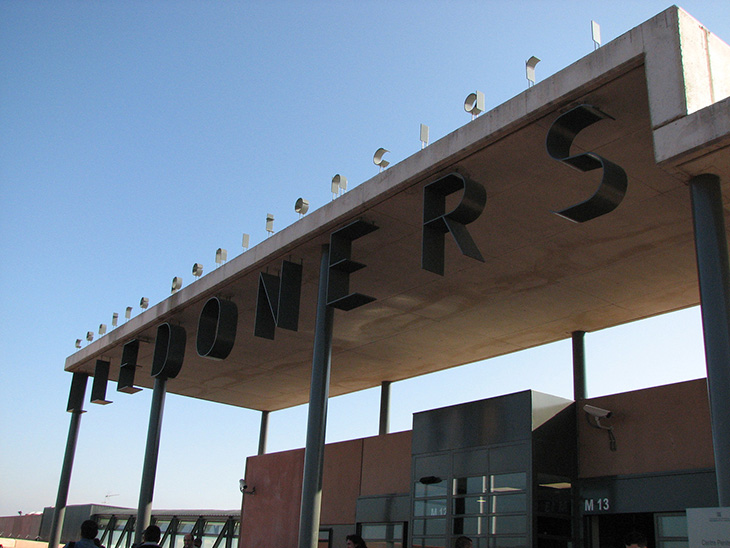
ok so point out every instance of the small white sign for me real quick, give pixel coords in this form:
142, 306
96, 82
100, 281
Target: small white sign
708, 527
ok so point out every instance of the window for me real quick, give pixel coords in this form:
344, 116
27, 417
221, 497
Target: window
671, 530
383, 535
491, 509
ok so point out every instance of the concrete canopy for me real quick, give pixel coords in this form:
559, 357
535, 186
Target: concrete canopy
666, 83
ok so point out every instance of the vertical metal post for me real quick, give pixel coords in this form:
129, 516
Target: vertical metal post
714, 278
579, 365
147, 488
384, 408
317, 417
263, 432
579, 393
77, 392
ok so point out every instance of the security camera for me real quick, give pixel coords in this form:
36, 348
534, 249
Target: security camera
597, 412
243, 486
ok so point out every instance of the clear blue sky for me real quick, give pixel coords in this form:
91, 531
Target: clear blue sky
136, 138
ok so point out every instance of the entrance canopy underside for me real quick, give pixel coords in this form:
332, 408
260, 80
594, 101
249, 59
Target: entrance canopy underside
543, 276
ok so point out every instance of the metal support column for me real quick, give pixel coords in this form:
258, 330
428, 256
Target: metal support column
146, 490
714, 278
579, 393
384, 408
263, 432
579, 365
75, 407
317, 418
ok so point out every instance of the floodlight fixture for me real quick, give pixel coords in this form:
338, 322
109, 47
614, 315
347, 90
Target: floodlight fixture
270, 223
424, 136
596, 35
245, 240
144, 302
102, 329
176, 284
339, 183
78, 343
530, 65
221, 256
301, 206
474, 104
128, 313
89, 336
115, 319
197, 270
378, 158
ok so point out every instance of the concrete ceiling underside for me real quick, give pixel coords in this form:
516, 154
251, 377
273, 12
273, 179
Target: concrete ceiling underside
543, 276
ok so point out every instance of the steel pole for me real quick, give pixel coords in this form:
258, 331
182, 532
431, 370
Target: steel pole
59, 511
384, 408
263, 432
317, 418
714, 279
147, 488
579, 365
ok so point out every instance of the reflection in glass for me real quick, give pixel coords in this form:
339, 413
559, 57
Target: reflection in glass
470, 526
672, 525
508, 524
431, 490
471, 505
505, 504
509, 482
468, 486
432, 507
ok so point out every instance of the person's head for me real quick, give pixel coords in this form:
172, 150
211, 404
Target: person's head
151, 534
188, 541
198, 543
463, 542
635, 540
355, 541
89, 529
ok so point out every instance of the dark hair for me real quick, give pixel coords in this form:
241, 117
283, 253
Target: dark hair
463, 542
634, 537
151, 534
357, 541
89, 529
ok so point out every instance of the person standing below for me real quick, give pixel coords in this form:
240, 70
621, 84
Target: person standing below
89, 530
188, 541
635, 540
151, 537
355, 541
463, 542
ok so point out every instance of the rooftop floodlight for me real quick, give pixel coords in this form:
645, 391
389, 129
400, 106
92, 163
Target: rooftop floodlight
144, 302
221, 256
115, 319
474, 104
596, 35
424, 136
339, 183
270, 223
176, 284
102, 329
128, 313
89, 336
78, 343
197, 270
378, 159
301, 206
245, 240
530, 65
